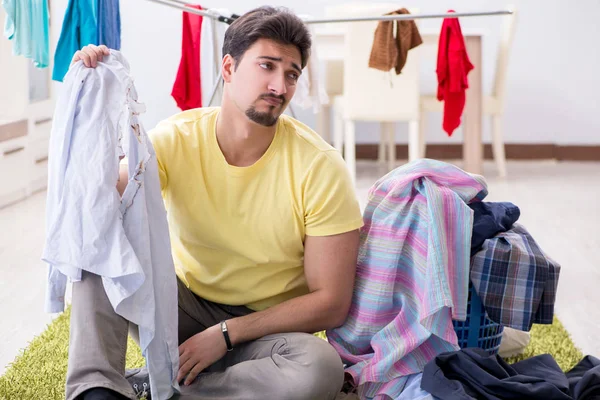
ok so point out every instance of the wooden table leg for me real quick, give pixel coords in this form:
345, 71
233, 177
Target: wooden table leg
472, 144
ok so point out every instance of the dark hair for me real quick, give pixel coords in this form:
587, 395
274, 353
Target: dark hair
266, 22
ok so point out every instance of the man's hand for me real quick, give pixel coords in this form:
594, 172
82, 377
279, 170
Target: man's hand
200, 352
90, 55
329, 267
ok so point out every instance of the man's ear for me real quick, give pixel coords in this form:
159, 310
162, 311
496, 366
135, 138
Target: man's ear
227, 68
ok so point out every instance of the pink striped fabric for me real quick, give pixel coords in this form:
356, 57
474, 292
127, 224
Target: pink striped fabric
412, 275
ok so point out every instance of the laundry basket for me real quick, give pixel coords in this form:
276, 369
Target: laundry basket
478, 330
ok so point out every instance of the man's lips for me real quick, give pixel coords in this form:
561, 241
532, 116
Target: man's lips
273, 101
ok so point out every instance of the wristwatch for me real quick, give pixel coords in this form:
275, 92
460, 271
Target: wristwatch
226, 335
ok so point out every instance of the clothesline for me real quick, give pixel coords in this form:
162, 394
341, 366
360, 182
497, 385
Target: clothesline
179, 4
408, 17
185, 7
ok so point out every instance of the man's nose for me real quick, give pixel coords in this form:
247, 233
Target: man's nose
278, 85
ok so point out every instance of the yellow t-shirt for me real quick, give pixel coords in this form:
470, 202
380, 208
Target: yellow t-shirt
237, 233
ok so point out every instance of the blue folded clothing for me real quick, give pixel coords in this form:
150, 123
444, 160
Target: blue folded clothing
489, 219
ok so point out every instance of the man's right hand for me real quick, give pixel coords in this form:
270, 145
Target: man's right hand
90, 55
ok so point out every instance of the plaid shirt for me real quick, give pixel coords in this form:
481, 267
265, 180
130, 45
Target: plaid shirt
516, 281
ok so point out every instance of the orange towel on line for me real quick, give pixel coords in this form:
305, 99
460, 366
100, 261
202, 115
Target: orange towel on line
390, 52
453, 66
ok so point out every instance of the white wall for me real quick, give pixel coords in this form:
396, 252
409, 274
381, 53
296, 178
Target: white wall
552, 80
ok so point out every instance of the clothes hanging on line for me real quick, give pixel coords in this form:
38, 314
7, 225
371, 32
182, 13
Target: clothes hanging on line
391, 51
412, 275
84, 23
27, 26
453, 66
187, 89
125, 240
474, 374
79, 29
310, 88
516, 280
211, 53
109, 24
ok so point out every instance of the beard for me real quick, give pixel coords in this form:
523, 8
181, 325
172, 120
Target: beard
267, 118
264, 118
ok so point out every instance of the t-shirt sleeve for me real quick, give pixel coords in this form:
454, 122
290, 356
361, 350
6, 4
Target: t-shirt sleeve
331, 205
163, 138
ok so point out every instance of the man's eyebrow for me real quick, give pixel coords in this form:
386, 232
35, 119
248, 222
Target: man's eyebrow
279, 59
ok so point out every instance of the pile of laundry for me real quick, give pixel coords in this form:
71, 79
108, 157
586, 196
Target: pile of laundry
427, 236
474, 374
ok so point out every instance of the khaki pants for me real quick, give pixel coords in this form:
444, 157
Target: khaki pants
283, 366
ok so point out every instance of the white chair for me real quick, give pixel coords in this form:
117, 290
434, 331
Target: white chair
493, 105
334, 86
373, 95
333, 69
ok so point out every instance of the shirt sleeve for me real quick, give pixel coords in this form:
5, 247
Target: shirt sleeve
331, 205
163, 138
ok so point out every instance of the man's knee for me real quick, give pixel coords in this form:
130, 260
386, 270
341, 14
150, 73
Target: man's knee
321, 374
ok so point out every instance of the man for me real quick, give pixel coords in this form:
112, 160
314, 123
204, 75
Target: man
263, 221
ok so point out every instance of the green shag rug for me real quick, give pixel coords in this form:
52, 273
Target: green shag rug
39, 371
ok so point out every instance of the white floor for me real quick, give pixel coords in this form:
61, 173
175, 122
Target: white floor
559, 206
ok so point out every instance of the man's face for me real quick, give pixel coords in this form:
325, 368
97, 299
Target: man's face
265, 80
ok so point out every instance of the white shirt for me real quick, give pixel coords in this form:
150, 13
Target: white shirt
89, 227
212, 35
310, 89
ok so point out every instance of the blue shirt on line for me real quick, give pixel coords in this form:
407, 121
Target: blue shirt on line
86, 22
27, 26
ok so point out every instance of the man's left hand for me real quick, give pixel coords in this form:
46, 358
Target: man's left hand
200, 352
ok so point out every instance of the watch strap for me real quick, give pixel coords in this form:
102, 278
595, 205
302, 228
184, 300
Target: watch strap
226, 335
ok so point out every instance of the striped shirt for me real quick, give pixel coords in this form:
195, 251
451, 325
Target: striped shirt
412, 275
